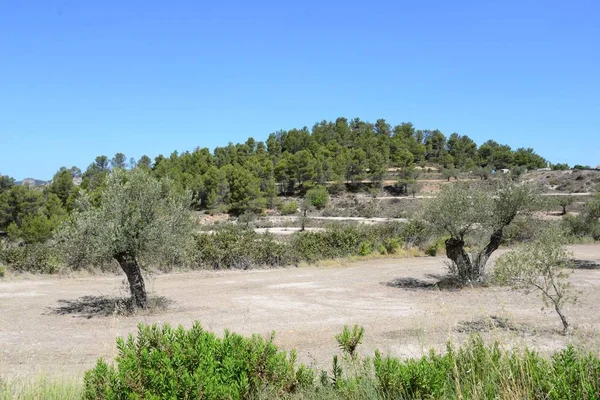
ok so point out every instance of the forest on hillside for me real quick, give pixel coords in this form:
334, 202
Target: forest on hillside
249, 176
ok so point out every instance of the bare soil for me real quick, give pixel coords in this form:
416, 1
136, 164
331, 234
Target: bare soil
48, 326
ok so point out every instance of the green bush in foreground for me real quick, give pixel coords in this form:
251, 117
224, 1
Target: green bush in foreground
166, 363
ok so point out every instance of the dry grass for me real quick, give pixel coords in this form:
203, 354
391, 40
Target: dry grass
349, 261
41, 388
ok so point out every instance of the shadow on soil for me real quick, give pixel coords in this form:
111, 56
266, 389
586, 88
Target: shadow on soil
585, 264
437, 282
488, 324
105, 306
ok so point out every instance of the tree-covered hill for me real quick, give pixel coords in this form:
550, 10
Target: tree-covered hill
249, 176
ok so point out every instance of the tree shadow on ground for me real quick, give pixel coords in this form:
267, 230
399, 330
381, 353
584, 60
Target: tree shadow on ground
488, 324
105, 306
585, 264
437, 282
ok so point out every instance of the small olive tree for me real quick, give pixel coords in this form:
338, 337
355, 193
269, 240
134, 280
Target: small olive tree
460, 211
544, 266
139, 221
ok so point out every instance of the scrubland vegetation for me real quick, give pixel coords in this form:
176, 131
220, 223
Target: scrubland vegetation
141, 215
166, 363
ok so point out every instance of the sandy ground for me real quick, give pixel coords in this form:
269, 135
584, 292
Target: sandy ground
305, 306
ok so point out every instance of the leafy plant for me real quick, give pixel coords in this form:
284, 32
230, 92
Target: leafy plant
289, 208
162, 362
318, 197
544, 266
348, 340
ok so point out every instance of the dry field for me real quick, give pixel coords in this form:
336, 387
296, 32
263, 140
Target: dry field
305, 306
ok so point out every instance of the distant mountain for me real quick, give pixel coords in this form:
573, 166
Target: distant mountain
32, 182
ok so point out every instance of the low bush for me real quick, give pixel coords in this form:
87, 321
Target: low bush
34, 258
232, 247
289, 208
488, 372
176, 364
337, 241
365, 248
167, 363
318, 197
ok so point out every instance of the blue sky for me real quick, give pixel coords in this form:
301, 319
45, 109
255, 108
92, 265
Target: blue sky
79, 79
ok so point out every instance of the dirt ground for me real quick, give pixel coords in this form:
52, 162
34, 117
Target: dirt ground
305, 306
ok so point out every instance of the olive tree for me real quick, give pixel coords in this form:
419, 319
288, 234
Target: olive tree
139, 221
544, 266
461, 211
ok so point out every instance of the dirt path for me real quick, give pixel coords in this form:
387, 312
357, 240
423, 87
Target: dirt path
305, 306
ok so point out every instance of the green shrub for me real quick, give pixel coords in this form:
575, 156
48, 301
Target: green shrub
416, 233
391, 245
318, 197
488, 372
365, 248
289, 208
35, 258
2, 271
232, 247
349, 340
337, 241
167, 363
435, 245
345, 240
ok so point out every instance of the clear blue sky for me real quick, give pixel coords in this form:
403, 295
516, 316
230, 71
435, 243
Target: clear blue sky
81, 78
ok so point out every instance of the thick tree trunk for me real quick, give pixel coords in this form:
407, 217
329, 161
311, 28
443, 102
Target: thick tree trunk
131, 268
455, 250
493, 245
563, 319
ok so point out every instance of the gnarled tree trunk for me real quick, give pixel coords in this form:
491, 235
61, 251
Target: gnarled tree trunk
455, 250
131, 268
482, 258
472, 269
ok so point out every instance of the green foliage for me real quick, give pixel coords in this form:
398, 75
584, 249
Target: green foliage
449, 173
544, 266
435, 245
167, 363
62, 184
318, 197
248, 176
407, 180
2, 271
289, 208
486, 371
365, 248
391, 245
587, 222
348, 340
17, 203
6, 182
463, 211
232, 247
483, 172
35, 258
138, 215
345, 240
560, 167
581, 167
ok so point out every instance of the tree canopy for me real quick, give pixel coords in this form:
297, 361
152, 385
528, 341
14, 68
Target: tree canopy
248, 176
140, 220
